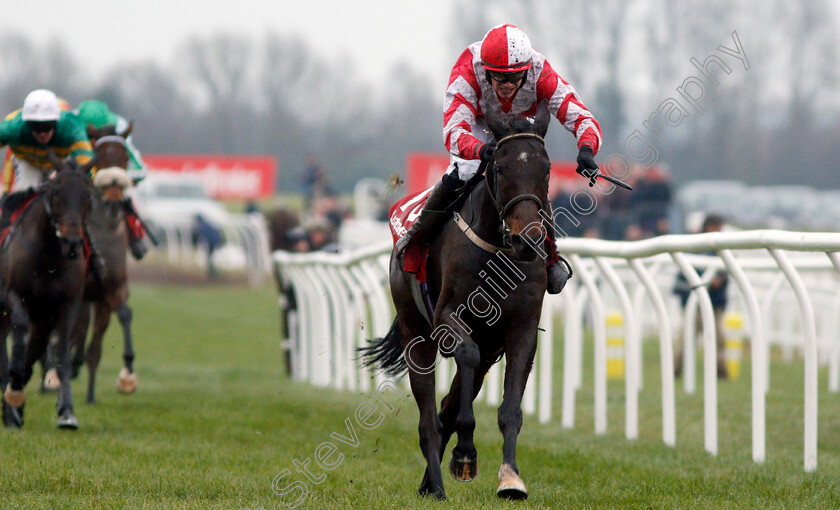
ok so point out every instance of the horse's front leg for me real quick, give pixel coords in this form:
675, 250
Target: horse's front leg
13, 394
450, 406
464, 463
520, 348
66, 323
127, 380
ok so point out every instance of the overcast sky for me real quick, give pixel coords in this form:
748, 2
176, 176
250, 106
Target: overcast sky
374, 33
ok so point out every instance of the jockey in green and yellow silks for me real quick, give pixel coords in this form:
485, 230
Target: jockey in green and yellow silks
40, 125
96, 114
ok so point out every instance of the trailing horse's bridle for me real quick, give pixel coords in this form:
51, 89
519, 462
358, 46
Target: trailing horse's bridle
494, 193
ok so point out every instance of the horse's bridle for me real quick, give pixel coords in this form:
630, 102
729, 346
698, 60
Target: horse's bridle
47, 196
494, 193
111, 139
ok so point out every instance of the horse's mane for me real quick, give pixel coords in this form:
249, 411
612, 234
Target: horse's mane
517, 124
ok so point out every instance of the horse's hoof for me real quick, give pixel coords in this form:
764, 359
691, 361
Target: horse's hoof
15, 398
51, 381
126, 381
510, 485
463, 469
12, 416
67, 421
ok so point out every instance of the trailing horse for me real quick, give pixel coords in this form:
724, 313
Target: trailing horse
43, 264
109, 294
486, 281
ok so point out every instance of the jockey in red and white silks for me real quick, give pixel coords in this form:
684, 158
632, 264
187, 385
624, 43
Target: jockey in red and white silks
470, 94
502, 73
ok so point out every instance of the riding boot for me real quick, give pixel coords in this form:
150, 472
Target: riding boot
11, 203
557, 269
135, 231
434, 212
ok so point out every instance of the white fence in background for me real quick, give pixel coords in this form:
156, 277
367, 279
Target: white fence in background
246, 244
344, 299
784, 283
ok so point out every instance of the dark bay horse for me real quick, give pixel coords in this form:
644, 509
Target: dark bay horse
108, 231
488, 281
43, 265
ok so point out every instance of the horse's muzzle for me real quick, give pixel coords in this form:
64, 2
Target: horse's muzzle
523, 248
72, 248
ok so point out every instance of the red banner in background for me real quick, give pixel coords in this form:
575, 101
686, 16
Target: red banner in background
423, 169
225, 177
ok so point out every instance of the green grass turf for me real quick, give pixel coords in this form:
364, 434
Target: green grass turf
215, 420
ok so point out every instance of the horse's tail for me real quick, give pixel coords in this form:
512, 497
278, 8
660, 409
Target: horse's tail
386, 353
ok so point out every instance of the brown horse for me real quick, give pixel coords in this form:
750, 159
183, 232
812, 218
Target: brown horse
43, 266
109, 294
488, 283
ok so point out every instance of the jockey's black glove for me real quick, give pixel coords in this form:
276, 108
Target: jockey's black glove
586, 162
486, 151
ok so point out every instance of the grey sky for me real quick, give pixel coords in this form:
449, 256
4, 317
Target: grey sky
374, 33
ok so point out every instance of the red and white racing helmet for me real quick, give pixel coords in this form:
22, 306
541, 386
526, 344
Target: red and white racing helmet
506, 48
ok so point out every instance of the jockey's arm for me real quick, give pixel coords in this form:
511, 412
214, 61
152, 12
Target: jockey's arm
460, 107
565, 104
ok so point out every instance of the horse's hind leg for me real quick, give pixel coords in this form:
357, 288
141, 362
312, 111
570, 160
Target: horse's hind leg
127, 380
80, 330
421, 355
4, 374
102, 317
49, 383
519, 351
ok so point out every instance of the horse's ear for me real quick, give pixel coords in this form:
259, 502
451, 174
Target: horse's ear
542, 119
127, 131
496, 123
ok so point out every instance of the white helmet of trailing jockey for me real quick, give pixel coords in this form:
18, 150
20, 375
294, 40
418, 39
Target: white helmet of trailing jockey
506, 49
41, 105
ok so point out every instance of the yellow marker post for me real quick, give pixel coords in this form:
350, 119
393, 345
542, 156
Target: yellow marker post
733, 334
615, 345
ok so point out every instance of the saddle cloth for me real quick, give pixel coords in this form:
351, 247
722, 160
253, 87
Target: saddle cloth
402, 216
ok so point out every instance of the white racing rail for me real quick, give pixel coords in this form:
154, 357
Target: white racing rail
246, 244
342, 300
777, 278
